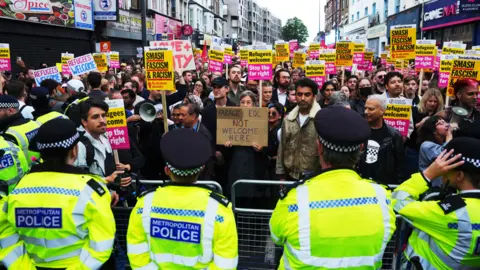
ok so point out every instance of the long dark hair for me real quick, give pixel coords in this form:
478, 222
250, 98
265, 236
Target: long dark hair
427, 132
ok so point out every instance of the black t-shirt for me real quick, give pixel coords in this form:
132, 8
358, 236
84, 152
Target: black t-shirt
373, 158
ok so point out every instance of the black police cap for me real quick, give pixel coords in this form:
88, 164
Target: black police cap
341, 129
185, 151
470, 150
55, 136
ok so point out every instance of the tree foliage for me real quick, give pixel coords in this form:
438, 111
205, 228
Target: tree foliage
295, 29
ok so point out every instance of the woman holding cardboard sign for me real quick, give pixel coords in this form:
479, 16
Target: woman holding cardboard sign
247, 162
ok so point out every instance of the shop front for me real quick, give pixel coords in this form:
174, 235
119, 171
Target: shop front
377, 38
409, 16
452, 20
41, 34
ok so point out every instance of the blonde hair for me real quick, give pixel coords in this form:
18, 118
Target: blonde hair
432, 92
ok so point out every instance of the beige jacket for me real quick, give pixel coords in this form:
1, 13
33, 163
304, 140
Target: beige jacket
297, 151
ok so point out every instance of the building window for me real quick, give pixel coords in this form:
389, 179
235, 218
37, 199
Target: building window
353, 18
353, 2
385, 4
397, 6
358, 15
374, 8
366, 11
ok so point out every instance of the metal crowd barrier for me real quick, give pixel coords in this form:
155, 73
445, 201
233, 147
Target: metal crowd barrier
255, 247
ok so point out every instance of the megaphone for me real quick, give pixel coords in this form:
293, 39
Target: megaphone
457, 114
148, 112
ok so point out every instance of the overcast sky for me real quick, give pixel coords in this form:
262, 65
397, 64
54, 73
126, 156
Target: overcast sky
306, 10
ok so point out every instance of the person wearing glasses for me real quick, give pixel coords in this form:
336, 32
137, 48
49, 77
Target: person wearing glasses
378, 77
297, 152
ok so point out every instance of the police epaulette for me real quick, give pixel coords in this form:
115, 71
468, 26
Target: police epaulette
286, 189
451, 203
219, 198
96, 187
145, 192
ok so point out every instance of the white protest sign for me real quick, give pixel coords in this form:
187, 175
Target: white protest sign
182, 53
82, 64
47, 73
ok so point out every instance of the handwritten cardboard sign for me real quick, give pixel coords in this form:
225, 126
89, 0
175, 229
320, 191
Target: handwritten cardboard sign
242, 126
47, 73
117, 131
398, 114
402, 41
82, 64
182, 53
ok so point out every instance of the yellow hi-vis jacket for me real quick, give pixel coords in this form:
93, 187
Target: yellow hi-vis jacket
23, 134
12, 250
50, 116
64, 217
182, 227
336, 220
447, 233
13, 164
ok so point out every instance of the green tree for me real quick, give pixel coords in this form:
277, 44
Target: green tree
295, 29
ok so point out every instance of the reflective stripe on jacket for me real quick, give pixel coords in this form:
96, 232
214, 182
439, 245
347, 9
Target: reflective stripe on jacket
13, 164
334, 220
49, 116
189, 230
24, 134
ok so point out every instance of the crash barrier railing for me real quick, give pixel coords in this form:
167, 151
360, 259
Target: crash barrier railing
252, 213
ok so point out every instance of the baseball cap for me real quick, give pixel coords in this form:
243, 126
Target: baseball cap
219, 82
76, 85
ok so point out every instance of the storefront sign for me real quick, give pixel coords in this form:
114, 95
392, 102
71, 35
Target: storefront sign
47, 73
159, 69
5, 63
131, 22
438, 14
260, 65
82, 64
117, 131
402, 41
83, 14
377, 31
344, 53
242, 126
105, 10
398, 114
315, 70
105, 46
167, 26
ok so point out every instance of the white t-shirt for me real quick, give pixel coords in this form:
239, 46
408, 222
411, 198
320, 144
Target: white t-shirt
302, 118
282, 98
27, 111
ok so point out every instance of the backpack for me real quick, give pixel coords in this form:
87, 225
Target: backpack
90, 151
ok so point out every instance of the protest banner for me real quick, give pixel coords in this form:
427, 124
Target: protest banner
182, 53
399, 64
293, 46
114, 59
59, 66
299, 59
117, 131
402, 41
446, 64
260, 65
47, 73
425, 52
453, 48
344, 54
242, 126
315, 70
215, 59
398, 114
101, 61
243, 57
464, 67
227, 54
64, 58
159, 69
390, 60
358, 52
5, 63
328, 55
383, 58
282, 51
367, 61
314, 50
82, 64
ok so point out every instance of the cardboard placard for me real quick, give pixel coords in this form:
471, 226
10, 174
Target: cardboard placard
402, 41
47, 73
227, 54
314, 50
299, 59
243, 58
82, 64
282, 52
446, 65
344, 54
215, 60
358, 53
425, 55
182, 53
101, 61
159, 70
117, 131
293, 46
260, 65
315, 70
453, 48
65, 57
367, 61
5, 63
114, 59
329, 56
398, 114
242, 126
463, 69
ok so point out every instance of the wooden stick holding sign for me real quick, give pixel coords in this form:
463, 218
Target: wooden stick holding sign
165, 111
420, 83
260, 94
343, 75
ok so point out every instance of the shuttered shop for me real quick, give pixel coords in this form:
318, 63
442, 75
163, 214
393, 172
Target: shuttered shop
36, 43
126, 47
